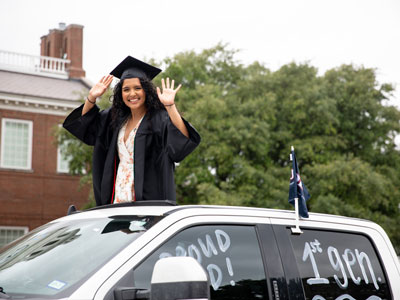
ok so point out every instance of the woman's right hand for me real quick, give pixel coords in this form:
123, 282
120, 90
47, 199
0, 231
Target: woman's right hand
100, 88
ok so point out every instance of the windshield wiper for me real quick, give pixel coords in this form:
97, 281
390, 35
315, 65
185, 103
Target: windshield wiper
3, 294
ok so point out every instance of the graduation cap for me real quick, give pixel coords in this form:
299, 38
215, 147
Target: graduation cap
131, 67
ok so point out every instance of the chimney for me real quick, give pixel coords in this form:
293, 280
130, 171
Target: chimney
65, 42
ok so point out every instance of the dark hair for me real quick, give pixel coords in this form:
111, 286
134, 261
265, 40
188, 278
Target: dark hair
120, 110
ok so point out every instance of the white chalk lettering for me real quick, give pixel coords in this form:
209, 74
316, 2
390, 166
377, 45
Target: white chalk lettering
208, 250
195, 253
315, 246
230, 269
318, 297
349, 263
229, 265
164, 255
309, 254
215, 280
180, 250
223, 246
207, 247
345, 297
347, 260
338, 266
361, 258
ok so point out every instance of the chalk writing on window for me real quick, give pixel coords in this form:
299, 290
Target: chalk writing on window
343, 268
208, 246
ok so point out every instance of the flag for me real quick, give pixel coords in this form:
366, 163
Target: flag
297, 189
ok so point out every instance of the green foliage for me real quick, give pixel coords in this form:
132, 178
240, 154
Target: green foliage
80, 154
340, 123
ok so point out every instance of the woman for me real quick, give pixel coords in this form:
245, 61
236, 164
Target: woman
138, 140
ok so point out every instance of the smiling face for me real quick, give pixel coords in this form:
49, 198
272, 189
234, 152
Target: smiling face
133, 94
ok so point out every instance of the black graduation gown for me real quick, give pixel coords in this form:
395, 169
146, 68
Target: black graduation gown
158, 145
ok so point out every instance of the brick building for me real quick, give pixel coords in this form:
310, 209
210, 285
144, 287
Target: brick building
36, 93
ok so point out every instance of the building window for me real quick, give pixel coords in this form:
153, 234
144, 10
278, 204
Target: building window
62, 159
65, 49
16, 144
48, 49
9, 234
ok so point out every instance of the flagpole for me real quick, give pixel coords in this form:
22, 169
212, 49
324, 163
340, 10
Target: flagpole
296, 229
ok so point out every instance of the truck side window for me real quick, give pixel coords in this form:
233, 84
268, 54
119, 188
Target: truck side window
339, 265
229, 254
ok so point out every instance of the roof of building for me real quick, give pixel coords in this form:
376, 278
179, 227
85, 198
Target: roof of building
44, 87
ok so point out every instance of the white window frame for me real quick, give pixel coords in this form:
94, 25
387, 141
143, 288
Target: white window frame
59, 160
59, 157
30, 135
24, 228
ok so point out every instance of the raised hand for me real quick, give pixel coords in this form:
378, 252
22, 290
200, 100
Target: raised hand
100, 88
167, 96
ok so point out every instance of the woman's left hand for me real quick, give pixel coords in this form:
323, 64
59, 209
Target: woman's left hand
167, 96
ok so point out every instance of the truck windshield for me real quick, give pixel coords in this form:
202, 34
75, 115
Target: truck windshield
52, 261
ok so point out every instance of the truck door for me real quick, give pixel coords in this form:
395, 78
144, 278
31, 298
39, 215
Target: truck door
333, 264
233, 256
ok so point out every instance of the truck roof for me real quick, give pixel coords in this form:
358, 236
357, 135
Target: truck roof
166, 208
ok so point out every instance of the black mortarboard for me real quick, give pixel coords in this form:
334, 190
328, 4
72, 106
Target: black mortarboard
131, 67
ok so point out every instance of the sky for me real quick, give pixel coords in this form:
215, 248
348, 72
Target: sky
323, 33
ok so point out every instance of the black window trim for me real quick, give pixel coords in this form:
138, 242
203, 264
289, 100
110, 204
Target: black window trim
277, 285
292, 274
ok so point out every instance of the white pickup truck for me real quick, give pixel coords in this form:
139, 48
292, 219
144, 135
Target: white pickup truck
245, 253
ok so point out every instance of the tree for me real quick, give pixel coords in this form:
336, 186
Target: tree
80, 154
340, 123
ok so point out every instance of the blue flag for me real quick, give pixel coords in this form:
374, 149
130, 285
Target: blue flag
297, 189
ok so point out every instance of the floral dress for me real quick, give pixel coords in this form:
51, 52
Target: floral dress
124, 184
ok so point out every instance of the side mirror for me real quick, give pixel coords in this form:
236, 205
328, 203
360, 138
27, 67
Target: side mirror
179, 278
